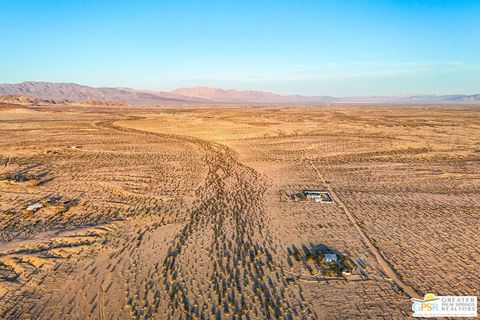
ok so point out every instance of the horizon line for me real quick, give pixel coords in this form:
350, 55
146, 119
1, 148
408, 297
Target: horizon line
412, 94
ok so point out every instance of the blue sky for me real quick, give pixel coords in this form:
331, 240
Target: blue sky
339, 48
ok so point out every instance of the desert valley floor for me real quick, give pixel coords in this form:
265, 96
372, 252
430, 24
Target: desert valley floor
198, 212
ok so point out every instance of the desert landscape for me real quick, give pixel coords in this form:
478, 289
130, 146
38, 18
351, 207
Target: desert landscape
239, 160
201, 211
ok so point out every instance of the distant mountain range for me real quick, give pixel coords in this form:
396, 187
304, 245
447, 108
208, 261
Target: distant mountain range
75, 92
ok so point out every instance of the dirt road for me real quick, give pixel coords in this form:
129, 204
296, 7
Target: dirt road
220, 262
385, 265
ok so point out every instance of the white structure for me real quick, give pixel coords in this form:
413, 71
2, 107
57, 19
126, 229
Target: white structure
330, 257
346, 272
35, 207
321, 196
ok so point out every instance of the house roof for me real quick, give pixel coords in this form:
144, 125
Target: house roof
330, 256
34, 206
315, 191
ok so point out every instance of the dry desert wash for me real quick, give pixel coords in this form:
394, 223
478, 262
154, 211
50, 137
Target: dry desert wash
232, 212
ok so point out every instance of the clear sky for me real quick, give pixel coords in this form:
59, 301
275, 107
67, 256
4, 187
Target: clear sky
316, 47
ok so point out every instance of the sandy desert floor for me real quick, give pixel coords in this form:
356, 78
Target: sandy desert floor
185, 212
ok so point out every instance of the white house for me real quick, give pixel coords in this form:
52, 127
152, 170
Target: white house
322, 196
35, 207
330, 257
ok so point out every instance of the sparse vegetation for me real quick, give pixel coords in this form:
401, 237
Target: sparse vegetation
188, 213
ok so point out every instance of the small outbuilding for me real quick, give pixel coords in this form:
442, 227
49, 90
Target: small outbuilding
346, 273
35, 207
330, 257
322, 196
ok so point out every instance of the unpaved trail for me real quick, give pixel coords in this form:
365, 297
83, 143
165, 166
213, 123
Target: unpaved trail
386, 266
220, 263
233, 271
101, 304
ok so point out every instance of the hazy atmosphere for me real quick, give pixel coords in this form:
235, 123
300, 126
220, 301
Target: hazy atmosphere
341, 48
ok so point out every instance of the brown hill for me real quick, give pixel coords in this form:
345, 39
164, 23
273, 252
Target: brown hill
25, 100
75, 92
93, 102
7, 106
232, 95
